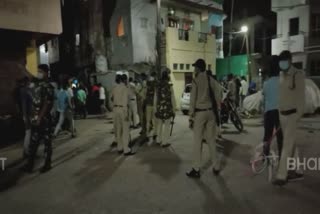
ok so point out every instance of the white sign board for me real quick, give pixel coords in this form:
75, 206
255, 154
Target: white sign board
41, 16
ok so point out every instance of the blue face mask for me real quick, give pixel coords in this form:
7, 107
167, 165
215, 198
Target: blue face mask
284, 65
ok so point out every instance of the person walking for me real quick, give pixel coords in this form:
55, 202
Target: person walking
151, 122
63, 103
270, 93
42, 102
120, 98
291, 107
232, 89
134, 117
141, 91
243, 90
69, 113
102, 98
82, 101
164, 103
203, 117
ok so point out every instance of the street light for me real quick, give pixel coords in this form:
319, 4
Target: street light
244, 29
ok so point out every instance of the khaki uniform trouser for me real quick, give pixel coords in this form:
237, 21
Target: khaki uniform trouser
163, 131
151, 121
289, 125
133, 113
121, 128
205, 127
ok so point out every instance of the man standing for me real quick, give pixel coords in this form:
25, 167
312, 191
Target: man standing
164, 102
70, 110
134, 118
42, 102
232, 89
291, 107
120, 98
102, 98
141, 97
244, 90
151, 122
202, 117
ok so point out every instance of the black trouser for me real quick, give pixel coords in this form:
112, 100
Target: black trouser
82, 110
271, 122
41, 133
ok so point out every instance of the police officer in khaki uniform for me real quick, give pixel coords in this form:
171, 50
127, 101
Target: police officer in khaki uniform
291, 107
120, 98
202, 117
151, 124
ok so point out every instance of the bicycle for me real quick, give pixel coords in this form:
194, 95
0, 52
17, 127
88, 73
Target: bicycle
260, 161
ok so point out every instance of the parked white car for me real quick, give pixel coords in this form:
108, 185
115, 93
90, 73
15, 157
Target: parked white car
185, 99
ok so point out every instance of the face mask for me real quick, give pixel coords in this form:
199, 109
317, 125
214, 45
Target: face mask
40, 76
284, 65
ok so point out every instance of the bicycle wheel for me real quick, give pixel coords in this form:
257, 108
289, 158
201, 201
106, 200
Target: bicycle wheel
236, 121
259, 161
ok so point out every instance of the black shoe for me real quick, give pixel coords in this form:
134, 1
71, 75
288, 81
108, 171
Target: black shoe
129, 153
294, 176
193, 174
120, 152
45, 168
166, 145
215, 172
279, 182
113, 144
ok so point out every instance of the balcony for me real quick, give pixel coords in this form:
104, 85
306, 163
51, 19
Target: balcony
295, 44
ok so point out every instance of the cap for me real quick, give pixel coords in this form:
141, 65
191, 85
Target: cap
201, 64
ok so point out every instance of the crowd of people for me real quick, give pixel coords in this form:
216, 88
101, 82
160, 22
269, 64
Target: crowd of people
149, 102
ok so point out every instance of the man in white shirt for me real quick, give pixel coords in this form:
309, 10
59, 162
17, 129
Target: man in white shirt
102, 98
291, 107
69, 112
244, 89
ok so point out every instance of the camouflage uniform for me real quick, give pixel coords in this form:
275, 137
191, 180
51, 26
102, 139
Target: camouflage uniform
42, 93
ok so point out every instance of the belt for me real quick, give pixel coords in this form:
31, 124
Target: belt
206, 109
288, 112
118, 106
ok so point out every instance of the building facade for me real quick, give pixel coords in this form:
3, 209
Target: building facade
298, 30
188, 31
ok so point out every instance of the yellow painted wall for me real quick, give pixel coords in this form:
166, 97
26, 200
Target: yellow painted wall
32, 58
187, 52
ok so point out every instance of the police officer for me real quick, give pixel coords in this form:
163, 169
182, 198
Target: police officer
42, 102
202, 117
291, 107
151, 122
134, 118
120, 98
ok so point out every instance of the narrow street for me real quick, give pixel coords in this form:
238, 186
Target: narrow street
88, 176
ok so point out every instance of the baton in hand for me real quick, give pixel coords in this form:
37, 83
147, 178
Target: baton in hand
172, 123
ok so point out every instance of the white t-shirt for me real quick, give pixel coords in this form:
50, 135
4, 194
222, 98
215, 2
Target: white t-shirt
244, 88
70, 92
102, 93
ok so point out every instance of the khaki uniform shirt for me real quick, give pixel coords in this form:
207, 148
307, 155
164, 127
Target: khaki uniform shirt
120, 95
292, 90
200, 98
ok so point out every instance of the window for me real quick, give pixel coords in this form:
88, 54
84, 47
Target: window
294, 26
181, 66
315, 25
315, 68
202, 37
183, 35
175, 66
298, 65
188, 89
144, 22
120, 27
187, 66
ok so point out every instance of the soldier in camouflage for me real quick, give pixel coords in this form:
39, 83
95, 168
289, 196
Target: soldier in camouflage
164, 102
42, 102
